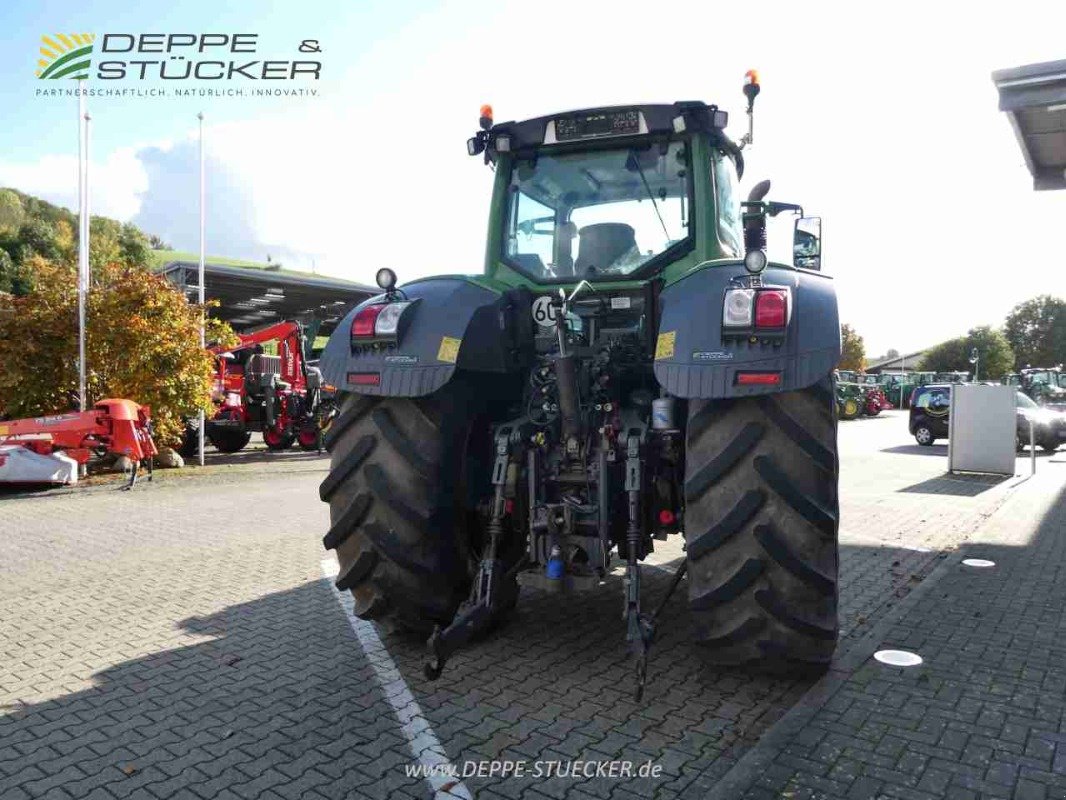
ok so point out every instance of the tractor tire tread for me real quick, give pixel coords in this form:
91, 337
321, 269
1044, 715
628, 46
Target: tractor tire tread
761, 521
394, 480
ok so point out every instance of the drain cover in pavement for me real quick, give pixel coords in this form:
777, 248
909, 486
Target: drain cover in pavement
978, 562
898, 658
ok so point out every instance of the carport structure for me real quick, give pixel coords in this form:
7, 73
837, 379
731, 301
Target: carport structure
251, 298
1034, 98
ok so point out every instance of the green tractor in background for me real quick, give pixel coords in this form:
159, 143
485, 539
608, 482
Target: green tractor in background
629, 367
850, 397
1046, 386
951, 377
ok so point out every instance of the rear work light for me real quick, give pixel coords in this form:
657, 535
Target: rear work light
380, 322
771, 309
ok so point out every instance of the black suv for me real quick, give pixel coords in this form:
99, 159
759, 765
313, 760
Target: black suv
929, 418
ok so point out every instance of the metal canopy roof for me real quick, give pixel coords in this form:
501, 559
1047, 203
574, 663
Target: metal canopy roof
1034, 98
252, 298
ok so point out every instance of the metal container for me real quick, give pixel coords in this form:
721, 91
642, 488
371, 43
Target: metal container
663, 413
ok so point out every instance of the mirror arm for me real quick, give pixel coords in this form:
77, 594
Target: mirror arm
773, 209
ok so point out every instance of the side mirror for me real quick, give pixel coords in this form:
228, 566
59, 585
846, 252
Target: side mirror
807, 243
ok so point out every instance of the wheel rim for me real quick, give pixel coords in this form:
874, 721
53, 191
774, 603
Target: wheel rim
851, 408
271, 437
923, 435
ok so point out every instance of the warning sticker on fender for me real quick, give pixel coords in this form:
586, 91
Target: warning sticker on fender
449, 349
664, 345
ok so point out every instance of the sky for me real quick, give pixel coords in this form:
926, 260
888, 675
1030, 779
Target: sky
881, 119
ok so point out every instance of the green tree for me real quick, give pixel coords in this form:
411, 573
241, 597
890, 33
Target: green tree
852, 349
9, 277
11, 213
1036, 330
104, 242
134, 246
993, 350
38, 237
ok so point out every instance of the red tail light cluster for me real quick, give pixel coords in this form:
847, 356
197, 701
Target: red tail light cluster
755, 309
381, 322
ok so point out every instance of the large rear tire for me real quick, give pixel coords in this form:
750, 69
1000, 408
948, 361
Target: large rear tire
761, 515
228, 440
190, 439
402, 517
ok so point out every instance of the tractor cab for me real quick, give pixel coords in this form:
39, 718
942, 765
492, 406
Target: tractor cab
1045, 385
623, 193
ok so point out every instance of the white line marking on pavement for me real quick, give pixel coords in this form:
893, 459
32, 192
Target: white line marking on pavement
423, 742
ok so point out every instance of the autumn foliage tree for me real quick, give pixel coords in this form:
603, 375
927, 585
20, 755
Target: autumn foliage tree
142, 342
852, 349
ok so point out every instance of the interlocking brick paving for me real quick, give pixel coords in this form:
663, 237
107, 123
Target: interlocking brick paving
179, 641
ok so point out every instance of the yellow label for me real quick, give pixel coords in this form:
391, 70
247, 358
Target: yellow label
449, 349
3, 429
664, 345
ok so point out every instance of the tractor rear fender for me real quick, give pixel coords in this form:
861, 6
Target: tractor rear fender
694, 359
455, 324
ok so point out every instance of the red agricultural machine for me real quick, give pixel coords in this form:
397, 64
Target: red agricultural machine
118, 427
278, 395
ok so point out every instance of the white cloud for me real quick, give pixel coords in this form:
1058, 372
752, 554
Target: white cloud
117, 181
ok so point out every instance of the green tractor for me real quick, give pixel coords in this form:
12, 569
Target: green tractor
850, 398
1046, 386
951, 377
897, 387
628, 368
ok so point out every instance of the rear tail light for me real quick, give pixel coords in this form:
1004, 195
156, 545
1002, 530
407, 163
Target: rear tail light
363, 324
771, 309
755, 309
379, 321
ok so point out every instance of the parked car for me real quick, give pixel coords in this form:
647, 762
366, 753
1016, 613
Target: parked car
930, 405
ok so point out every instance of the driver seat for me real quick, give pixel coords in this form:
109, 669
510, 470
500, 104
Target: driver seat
602, 244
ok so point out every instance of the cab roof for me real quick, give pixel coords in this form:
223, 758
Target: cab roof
612, 121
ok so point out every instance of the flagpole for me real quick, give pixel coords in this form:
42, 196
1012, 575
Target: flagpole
203, 342
83, 239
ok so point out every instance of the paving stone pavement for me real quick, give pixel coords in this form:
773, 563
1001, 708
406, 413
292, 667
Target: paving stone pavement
981, 717
180, 641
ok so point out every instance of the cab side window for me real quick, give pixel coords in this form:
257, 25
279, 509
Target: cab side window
730, 231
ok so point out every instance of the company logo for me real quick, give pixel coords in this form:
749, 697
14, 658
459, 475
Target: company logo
65, 55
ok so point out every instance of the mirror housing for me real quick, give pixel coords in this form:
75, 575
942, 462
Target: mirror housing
807, 243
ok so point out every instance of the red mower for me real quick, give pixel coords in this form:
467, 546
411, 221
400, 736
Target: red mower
118, 427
